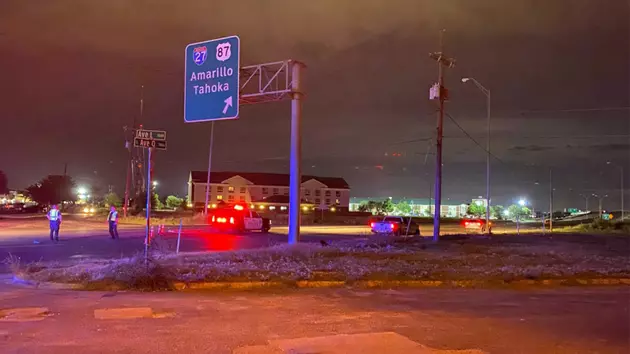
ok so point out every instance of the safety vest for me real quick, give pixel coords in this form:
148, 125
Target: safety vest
54, 215
113, 215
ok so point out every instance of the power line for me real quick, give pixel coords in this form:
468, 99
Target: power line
598, 109
471, 138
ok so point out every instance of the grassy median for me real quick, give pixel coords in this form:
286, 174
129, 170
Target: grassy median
502, 258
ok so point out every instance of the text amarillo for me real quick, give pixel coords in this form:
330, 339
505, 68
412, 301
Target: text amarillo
218, 86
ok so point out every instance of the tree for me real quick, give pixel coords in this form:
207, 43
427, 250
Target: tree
477, 210
364, 207
53, 189
403, 207
518, 212
112, 199
174, 202
384, 207
497, 211
4, 183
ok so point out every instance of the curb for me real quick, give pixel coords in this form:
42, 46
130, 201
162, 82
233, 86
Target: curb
370, 284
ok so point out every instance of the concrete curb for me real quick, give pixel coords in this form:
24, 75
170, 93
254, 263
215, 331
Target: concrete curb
370, 284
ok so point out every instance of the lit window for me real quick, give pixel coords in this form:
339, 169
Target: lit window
336, 201
272, 208
283, 208
219, 197
231, 189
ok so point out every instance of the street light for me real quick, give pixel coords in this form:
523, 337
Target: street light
488, 105
522, 202
622, 189
155, 183
601, 199
81, 190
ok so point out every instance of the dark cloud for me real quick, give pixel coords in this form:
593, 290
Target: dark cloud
71, 71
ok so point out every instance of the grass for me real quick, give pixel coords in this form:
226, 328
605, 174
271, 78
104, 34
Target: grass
503, 258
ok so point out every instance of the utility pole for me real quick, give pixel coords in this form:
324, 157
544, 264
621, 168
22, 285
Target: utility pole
129, 145
442, 95
550, 203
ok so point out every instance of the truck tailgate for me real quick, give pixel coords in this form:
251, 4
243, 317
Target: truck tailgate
383, 227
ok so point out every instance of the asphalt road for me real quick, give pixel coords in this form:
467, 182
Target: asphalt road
80, 238
541, 321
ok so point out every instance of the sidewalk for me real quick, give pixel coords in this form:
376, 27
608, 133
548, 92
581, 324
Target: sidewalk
325, 321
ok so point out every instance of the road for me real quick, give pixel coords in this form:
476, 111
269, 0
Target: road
80, 238
567, 320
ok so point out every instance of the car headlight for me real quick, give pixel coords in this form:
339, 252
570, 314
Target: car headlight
86, 210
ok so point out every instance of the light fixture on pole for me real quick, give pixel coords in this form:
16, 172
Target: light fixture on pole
488, 106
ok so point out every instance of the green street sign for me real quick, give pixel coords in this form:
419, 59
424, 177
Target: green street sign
151, 134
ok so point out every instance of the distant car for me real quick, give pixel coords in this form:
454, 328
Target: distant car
238, 219
395, 225
475, 225
88, 209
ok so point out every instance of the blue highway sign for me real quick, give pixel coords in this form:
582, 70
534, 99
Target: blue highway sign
211, 89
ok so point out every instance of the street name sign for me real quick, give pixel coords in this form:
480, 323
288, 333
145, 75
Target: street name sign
148, 143
151, 139
211, 85
151, 134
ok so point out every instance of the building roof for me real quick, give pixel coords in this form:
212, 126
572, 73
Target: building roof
278, 199
415, 201
266, 179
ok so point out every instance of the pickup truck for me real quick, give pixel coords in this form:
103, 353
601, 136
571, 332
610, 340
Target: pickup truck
395, 225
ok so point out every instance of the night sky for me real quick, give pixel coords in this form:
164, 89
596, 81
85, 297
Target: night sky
559, 72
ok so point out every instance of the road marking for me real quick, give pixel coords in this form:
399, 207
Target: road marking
24, 314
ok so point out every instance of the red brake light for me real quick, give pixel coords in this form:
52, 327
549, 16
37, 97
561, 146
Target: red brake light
393, 226
466, 223
372, 225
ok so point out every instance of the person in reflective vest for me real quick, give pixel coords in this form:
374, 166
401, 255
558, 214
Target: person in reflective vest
112, 219
54, 218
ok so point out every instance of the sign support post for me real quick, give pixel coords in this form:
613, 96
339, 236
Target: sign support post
148, 230
295, 180
205, 210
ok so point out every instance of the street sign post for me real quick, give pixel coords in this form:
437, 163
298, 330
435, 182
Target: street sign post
211, 85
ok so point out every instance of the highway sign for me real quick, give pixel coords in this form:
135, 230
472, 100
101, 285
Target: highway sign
151, 134
149, 143
211, 85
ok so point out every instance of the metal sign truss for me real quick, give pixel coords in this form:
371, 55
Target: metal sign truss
268, 82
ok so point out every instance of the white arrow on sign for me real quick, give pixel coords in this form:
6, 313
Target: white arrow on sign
228, 103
